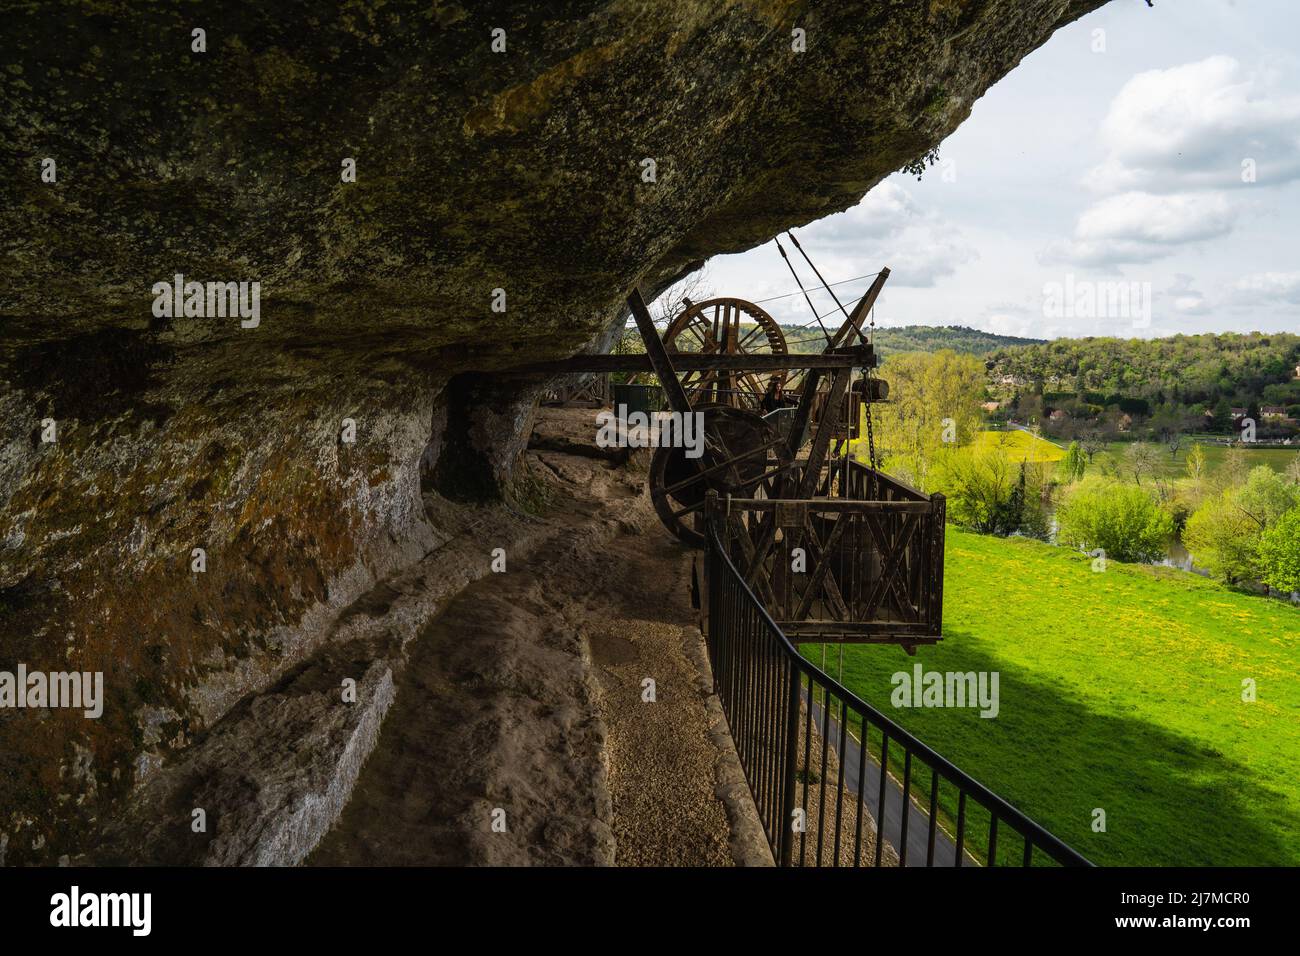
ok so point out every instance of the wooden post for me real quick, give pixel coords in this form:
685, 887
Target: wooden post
659, 360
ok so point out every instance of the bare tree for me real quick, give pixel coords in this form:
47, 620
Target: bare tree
677, 297
1091, 442
1139, 460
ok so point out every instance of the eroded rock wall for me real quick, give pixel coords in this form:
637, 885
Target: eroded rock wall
476, 171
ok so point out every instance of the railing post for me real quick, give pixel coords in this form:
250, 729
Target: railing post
939, 517
791, 760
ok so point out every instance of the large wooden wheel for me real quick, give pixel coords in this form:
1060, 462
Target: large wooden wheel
678, 484
728, 327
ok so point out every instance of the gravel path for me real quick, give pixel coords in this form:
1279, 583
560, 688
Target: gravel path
527, 695
661, 774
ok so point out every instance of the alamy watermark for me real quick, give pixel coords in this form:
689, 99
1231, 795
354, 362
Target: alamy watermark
208, 300
923, 688
77, 690
624, 429
75, 908
1085, 299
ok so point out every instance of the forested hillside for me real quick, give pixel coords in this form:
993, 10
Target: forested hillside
911, 338
1183, 369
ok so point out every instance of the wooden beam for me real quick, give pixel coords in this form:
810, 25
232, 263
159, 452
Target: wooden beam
860, 311
658, 355
855, 357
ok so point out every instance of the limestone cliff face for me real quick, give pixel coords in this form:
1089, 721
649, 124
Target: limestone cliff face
475, 171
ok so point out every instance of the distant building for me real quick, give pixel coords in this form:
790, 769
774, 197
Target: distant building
991, 407
1238, 413
1060, 415
1273, 411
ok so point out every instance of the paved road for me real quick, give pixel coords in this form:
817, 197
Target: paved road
918, 819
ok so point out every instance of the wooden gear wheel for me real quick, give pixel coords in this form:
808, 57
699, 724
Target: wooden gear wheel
678, 484
728, 326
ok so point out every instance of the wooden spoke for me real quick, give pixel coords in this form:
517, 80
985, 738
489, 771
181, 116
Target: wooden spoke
730, 327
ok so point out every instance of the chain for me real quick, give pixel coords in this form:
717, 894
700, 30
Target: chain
871, 434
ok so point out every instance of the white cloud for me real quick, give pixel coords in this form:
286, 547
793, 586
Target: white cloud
885, 211
1143, 217
1187, 300
1192, 127
1176, 142
1137, 227
889, 227
1263, 288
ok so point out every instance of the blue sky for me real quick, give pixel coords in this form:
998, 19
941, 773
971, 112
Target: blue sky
1105, 157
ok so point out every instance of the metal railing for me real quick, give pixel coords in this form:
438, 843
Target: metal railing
823, 765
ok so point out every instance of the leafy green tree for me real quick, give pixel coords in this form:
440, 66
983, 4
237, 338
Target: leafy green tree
988, 491
1074, 463
1122, 519
1267, 496
1223, 540
1196, 464
1234, 470
934, 407
1279, 553
1224, 534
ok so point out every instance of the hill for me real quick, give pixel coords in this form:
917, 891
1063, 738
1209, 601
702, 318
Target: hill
914, 338
1187, 369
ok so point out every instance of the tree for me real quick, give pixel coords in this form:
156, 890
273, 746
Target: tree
1073, 464
1224, 534
1196, 464
1174, 441
1139, 460
1223, 540
1092, 442
991, 493
692, 288
1266, 497
1279, 553
1235, 468
934, 407
1123, 520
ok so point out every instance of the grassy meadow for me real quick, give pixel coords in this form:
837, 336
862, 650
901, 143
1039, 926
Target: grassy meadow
1024, 446
1119, 690
1020, 446
1175, 466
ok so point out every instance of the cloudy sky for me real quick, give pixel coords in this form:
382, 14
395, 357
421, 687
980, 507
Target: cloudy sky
1162, 152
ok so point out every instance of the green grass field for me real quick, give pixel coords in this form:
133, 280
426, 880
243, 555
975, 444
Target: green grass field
1171, 466
1020, 446
1119, 690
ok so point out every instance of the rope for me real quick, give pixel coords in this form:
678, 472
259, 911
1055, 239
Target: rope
787, 295
811, 307
817, 272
